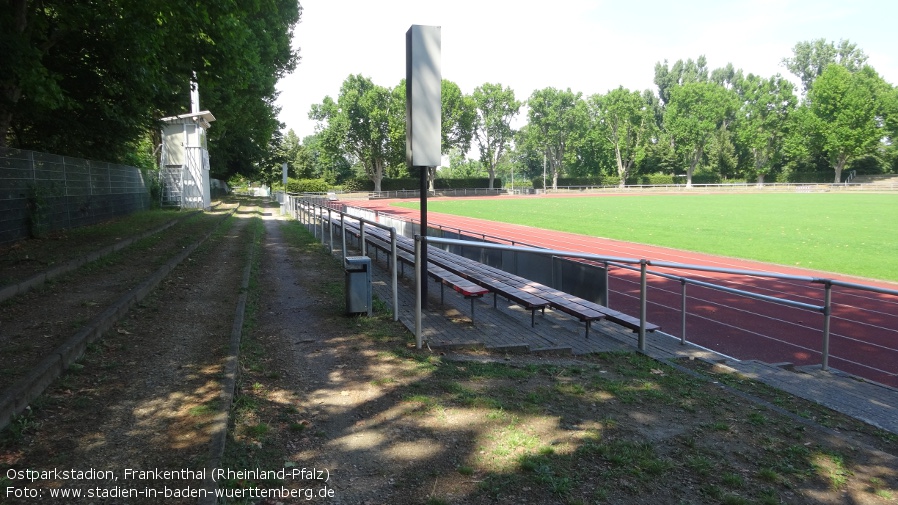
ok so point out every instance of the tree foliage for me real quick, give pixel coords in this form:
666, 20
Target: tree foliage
91, 79
696, 112
558, 118
762, 122
711, 124
359, 124
495, 108
626, 121
847, 111
810, 58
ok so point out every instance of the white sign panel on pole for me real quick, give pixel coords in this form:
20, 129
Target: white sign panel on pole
423, 80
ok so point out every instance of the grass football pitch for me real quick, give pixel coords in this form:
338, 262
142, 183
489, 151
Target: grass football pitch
855, 234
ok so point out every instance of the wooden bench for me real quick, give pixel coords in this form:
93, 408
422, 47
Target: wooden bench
381, 241
584, 310
524, 292
467, 269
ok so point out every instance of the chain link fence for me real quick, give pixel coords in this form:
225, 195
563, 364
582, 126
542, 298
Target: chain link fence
41, 193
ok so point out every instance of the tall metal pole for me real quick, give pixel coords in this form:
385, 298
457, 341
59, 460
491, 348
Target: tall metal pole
395, 274
422, 273
418, 293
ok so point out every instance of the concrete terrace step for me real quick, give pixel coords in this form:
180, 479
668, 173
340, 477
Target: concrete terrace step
870, 402
877, 180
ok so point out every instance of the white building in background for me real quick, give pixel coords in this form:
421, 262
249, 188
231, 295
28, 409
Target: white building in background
185, 157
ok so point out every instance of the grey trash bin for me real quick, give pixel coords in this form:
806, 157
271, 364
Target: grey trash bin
358, 284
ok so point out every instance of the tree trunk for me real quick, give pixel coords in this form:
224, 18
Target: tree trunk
760, 180
621, 170
377, 175
697, 157
843, 160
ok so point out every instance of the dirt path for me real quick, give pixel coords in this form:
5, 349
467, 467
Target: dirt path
330, 386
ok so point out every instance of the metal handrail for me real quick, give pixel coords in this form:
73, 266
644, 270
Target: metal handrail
640, 265
643, 263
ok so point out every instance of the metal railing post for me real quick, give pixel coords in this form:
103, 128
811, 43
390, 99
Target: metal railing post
418, 339
683, 313
330, 229
395, 274
321, 219
827, 315
642, 303
343, 234
607, 287
362, 237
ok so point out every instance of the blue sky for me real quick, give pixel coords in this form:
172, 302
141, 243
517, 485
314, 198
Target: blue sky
589, 46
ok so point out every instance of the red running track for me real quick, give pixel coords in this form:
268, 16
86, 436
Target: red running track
863, 330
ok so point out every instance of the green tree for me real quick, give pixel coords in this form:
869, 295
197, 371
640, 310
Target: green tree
458, 117
313, 161
767, 105
696, 113
359, 124
460, 167
682, 72
810, 58
91, 79
847, 112
495, 108
625, 120
559, 121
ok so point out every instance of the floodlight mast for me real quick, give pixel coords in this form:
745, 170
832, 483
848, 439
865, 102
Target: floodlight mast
423, 80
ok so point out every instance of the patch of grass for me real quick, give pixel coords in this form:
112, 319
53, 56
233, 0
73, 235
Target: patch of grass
425, 402
769, 475
258, 430
299, 427
831, 466
757, 418
637, 459
465, 470
700, 465
732, 480
205, 409
18, 428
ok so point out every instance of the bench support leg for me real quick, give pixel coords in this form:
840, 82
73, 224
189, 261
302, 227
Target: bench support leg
588, 324
494, 300
533, 318
441, 294
472, 310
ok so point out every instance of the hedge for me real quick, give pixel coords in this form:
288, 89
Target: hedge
410, 183
307, 185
